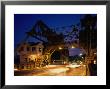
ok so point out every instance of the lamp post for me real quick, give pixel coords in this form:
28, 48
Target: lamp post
86, 68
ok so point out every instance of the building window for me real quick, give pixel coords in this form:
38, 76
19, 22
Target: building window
28, 49
40, 50
29, 60
33, 48
27, 66
22, 49
22, 67
26, 59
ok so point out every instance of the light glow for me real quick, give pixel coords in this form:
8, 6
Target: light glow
80, 54
73, 66
33, 56
95, 53
15, 69
59, 70
60, 48
72, 47
94, 61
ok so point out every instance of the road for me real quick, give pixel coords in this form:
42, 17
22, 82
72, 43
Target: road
54, 70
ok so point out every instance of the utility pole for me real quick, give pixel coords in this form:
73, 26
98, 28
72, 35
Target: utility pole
90, 40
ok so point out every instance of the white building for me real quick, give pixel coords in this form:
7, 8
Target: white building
30, 54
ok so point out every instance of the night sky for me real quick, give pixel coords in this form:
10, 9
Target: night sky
24, 23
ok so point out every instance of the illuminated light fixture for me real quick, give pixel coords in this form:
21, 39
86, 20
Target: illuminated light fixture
94, 61
95, 53
80, 54
72, 47
60, 48
15, 69
84, 65
80, 62
33, 56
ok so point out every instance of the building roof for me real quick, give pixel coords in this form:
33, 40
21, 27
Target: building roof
33, 43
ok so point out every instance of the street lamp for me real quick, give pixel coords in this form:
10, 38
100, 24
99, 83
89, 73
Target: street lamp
80, 54
60, 48
72, 47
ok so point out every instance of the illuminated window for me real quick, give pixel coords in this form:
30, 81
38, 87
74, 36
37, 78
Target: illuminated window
28, 48
40, 50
